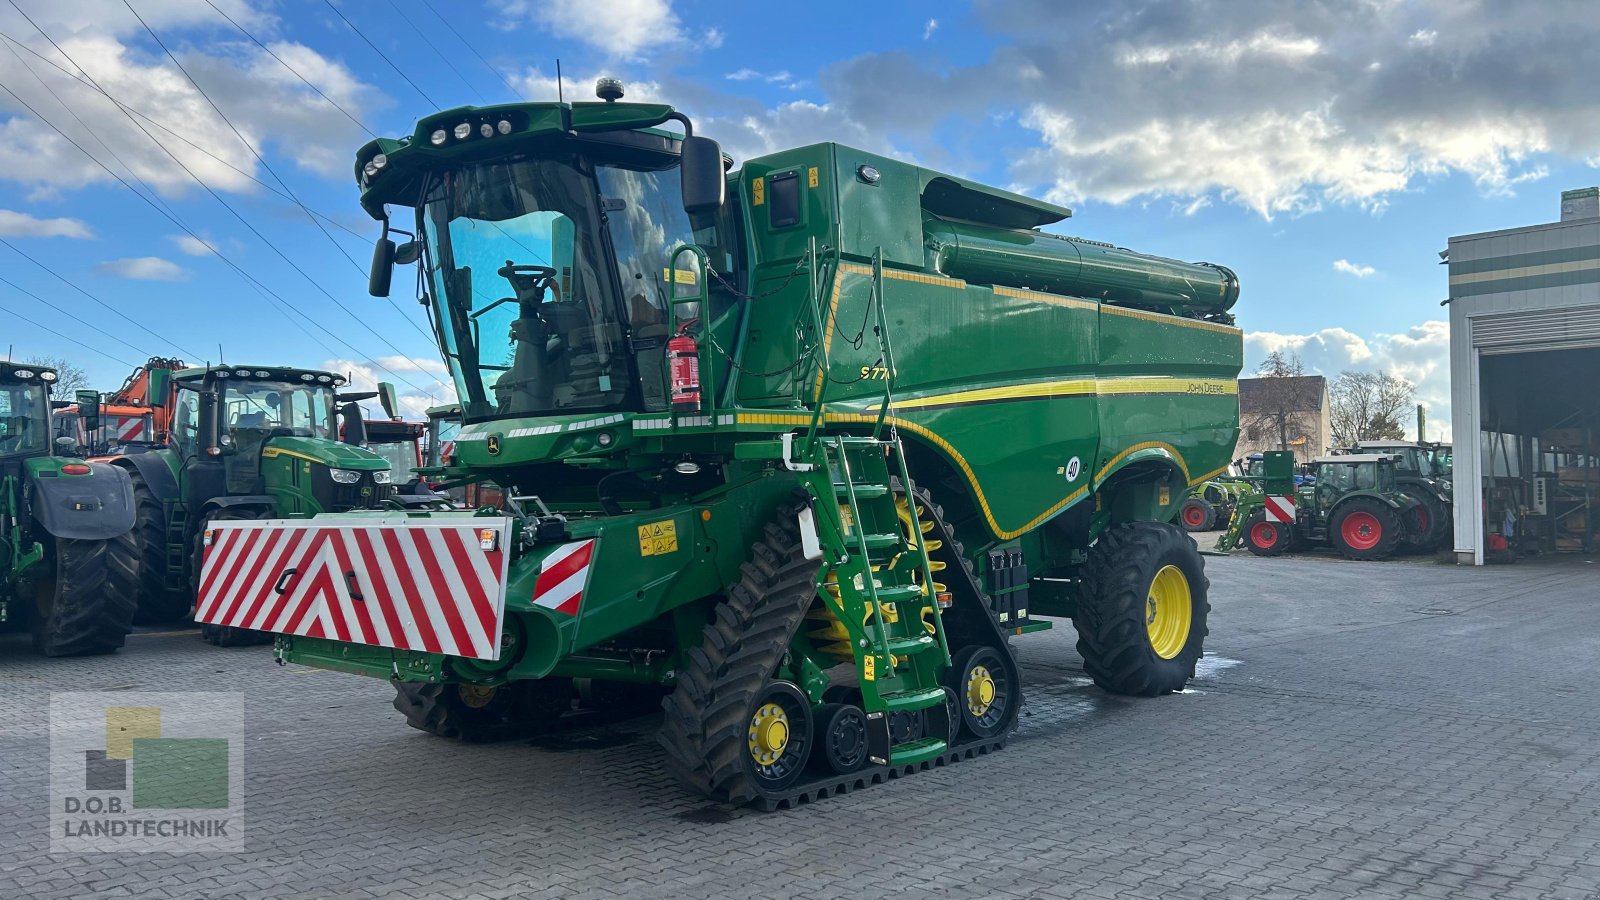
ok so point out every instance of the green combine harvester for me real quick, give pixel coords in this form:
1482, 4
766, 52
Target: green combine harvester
807, 443
247, 442
67, 549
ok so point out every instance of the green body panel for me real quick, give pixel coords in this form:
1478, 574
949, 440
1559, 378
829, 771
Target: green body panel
1042, 388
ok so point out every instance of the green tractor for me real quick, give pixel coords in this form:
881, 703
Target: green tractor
67, 548
247, 443
1210, 505
1421, 471
805, 444
1353, 504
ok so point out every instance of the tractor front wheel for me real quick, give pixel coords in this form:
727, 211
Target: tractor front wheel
84, 603
1265, 538
221, 635
1364, 528
1197, 515
1141, 616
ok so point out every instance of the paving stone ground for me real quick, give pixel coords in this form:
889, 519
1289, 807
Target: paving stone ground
1394, 729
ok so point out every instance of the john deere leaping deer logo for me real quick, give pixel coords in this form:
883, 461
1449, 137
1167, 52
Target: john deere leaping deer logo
492, 444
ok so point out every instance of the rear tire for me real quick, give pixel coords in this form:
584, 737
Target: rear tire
1142, 580
221, 635
1197, 515
1364, 528
158, 604
1265, 538
85, 603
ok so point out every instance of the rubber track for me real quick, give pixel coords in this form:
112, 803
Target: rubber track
704, 733
92, 610
837, 785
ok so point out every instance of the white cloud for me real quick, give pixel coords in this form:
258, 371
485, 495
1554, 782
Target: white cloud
144, 268
930, 28
624, 28
433, 386
1277, 106
713, 38
1350, 268
20, 224
781, 77
537, 86
269, 105
1420, 354
192, 245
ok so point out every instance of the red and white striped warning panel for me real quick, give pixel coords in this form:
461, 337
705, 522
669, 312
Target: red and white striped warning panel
131, 428
562, 576
435, 585
1280, 509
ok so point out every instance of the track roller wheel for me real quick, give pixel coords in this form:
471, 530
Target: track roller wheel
984, 689
840, 742
1141, 617
778, 736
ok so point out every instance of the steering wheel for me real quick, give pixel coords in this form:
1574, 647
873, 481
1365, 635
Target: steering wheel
530, 282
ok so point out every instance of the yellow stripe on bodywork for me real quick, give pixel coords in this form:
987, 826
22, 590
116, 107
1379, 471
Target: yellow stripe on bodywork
274, 452
1077, 387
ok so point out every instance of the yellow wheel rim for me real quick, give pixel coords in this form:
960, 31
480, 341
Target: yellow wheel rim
1168, 612
769, 734
980, 690
475, 696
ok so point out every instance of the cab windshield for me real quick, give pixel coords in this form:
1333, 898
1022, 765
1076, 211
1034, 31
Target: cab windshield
549, 278
24, 422
401, 456
298, 410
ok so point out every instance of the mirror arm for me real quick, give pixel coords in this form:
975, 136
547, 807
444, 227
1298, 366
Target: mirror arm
688, 127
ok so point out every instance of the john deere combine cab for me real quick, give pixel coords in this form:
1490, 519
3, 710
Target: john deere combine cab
246, 443
807, 443
67, 549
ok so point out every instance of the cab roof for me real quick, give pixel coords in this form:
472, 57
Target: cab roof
1355, 458
261, 373
14, 371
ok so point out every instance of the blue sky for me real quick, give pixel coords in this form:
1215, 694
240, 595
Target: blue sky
1325, 152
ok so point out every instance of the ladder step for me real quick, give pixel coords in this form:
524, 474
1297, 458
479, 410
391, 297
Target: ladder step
910, 701
849, 441
899, 594
908, 646
915, 752
885, 541
863, 491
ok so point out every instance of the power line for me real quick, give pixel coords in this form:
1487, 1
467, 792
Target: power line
131, 111
275, 56
398, 70
431, 46
282, 304
74, 340
22, 290
474, 50
279, 178
218, 197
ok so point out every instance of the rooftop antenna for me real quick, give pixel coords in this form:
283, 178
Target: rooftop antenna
221, 360
560, 98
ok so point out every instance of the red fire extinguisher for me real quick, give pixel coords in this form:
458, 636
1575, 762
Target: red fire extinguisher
683, 363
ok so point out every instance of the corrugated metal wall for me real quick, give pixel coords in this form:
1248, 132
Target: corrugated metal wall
1553, 329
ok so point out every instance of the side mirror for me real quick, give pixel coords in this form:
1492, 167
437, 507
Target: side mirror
355, 427
211, 423
407, 253
89, 409
382, 268
157, 382
704, 184
388, 400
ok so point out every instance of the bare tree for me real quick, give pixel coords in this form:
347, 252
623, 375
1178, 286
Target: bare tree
1368, 406
69, 377
1282, 403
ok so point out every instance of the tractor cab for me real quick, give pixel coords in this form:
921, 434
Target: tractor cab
271, 432
1339, 476
1417, 472
24, 412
